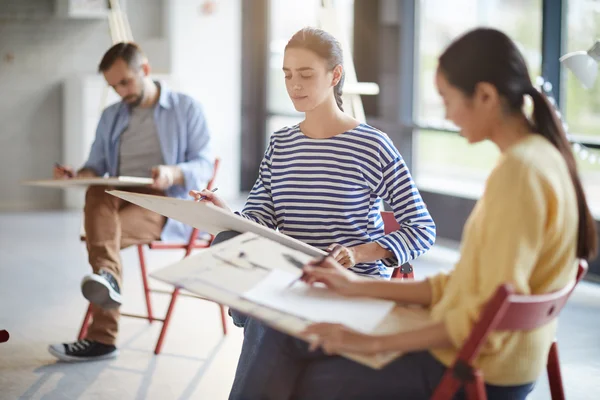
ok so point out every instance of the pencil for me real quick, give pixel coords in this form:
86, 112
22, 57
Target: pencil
203, 197
68, 173
318, 264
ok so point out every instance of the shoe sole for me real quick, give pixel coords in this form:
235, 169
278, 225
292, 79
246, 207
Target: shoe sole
99, 292
68, 358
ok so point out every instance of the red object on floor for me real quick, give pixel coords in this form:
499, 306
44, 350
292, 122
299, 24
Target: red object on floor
4, 336
507, 311
195, 242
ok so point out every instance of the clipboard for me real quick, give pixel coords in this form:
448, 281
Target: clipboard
115, 181
211, 277
209, 218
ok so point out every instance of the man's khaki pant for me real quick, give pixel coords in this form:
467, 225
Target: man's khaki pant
112, 224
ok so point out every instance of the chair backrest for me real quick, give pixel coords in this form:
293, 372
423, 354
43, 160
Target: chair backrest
194, 235
211, 183
508, 311
389, 222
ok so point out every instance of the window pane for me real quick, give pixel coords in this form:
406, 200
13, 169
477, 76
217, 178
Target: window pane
590, 177
286, 18
582, 106
443, 159
443, 155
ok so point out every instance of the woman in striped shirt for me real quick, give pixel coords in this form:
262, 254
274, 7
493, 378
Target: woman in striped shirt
323, 181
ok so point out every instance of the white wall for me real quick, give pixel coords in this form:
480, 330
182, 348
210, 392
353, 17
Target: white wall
206, 62
39, 52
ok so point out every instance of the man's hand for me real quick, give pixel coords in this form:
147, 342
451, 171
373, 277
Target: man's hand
66, 172
63, 172
164, 177
85, 173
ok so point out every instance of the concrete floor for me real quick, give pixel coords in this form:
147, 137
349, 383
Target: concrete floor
42, 263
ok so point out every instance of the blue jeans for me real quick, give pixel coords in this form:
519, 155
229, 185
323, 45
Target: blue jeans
238, 318
276, 366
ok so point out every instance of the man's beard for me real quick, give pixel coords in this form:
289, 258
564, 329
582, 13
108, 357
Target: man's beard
134, 100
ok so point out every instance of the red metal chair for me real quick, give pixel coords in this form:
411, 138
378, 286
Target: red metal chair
390, 225
4, 336
197, 240
507, 311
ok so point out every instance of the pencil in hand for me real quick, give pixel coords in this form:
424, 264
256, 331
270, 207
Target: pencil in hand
64, 170
204, 197
318, 264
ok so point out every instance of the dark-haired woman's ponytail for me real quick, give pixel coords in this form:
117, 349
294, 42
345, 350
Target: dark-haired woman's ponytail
547, 124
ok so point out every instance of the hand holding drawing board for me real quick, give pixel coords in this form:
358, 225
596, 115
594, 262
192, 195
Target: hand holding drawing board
209, 218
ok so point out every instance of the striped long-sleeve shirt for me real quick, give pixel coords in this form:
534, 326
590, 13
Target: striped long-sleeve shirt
325, 191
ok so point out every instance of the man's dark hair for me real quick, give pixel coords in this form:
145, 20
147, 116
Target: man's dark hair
129, 52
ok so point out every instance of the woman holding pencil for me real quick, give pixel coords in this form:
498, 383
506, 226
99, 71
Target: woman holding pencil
323, 181
529, 229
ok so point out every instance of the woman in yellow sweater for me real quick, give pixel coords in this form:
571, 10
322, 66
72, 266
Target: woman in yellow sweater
529, 228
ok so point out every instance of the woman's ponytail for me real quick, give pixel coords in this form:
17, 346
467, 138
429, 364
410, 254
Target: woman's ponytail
546, 123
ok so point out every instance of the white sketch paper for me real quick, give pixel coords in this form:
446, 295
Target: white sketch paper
227, 282
317, 303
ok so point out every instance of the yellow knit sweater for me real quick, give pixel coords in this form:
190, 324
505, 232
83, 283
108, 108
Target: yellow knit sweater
524, 231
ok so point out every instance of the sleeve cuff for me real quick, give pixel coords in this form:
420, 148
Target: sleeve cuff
387, 243
193, 175
437, 283
189, 181
91, 168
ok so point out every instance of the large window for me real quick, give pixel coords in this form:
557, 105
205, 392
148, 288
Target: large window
286, 18
582, 106
444, 160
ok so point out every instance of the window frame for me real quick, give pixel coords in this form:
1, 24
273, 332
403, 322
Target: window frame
395, 107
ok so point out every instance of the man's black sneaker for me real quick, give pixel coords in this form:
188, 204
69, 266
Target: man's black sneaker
101, 289
83, 350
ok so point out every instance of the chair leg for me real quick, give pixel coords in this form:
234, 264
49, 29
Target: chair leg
476, 389
407, 271
223, 319
140, 248
85, 324
165, 326
447, 387
408, 276
554, 376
